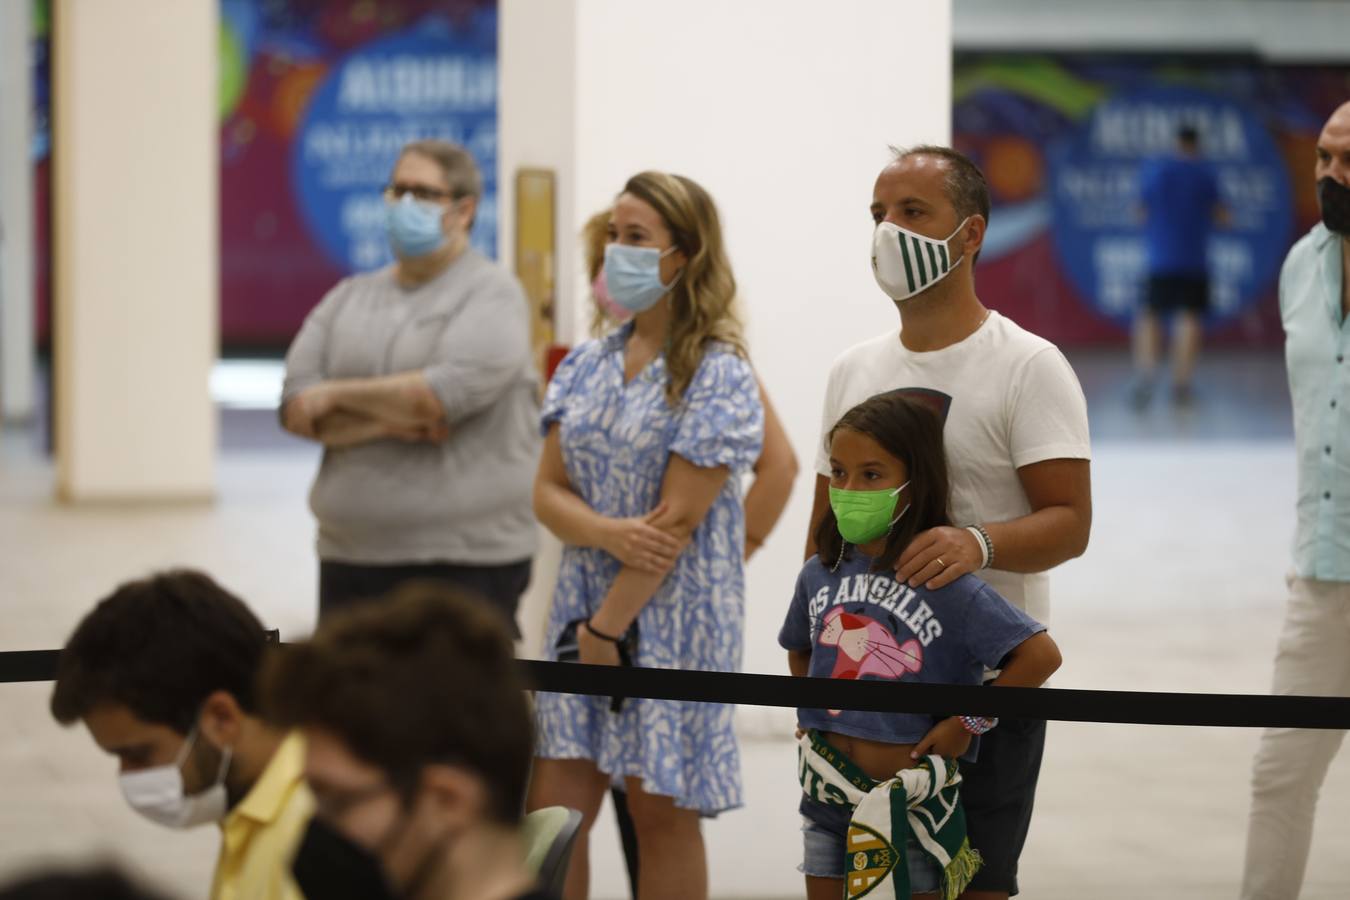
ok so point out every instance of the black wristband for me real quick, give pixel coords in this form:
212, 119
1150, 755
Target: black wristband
601, 635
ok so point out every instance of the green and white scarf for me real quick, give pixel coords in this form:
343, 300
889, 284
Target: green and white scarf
923, 801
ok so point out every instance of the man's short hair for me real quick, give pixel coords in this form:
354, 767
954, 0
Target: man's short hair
160, 646
424, 677
1188, 135
967, 190
461, 172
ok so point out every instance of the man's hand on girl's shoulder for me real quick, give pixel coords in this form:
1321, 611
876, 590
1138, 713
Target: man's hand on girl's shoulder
939, 556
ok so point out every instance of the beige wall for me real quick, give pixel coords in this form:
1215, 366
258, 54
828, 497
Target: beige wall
135, 214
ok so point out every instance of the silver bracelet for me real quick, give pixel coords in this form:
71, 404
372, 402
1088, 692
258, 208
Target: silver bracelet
986, 545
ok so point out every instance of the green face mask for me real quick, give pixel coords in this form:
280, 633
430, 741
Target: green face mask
864, 516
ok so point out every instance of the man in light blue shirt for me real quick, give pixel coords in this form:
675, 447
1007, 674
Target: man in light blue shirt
1314, 650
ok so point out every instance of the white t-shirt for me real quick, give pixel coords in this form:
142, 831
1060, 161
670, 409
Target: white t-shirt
1012, 400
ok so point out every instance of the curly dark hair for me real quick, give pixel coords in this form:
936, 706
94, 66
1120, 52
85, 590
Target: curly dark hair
160, 646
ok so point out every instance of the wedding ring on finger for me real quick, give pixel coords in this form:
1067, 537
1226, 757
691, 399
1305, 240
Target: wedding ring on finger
941, 563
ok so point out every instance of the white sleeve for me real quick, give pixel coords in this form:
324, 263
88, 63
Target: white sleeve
1048, 412
829, 415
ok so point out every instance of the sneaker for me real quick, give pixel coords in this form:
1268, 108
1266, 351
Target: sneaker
1183, 395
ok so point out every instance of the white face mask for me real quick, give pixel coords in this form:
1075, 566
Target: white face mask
906, 264
158, 793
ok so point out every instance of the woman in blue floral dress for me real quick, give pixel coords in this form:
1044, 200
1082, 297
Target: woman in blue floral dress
648, 433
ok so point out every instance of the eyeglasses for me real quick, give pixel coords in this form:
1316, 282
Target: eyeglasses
396, 191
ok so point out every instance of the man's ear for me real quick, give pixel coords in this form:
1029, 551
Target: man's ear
463, 211
455, 795
972, 233
222, 719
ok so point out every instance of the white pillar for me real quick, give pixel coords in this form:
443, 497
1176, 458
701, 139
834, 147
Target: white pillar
783, 110
16, 211
135, 154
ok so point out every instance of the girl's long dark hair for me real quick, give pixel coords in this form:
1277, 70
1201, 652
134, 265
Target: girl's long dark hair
911, 431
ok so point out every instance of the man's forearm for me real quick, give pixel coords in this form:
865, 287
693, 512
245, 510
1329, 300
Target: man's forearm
344, 429
1040, 540
403, 401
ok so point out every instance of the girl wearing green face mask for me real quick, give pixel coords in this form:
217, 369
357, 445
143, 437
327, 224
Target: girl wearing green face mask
851, 618
888, 480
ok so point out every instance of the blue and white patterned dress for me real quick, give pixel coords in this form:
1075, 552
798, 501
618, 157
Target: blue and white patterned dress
616, 443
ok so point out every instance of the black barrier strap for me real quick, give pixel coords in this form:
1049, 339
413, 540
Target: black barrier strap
28, 665
1131, 707
1057, 704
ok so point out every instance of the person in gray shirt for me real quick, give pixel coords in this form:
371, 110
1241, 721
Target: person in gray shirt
419, 382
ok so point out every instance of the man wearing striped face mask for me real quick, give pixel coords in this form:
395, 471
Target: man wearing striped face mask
906, 264
1016, 434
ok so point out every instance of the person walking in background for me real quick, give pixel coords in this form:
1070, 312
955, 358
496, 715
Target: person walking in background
1180, 198
1016, 434
1312, 658
418, 381
649, 430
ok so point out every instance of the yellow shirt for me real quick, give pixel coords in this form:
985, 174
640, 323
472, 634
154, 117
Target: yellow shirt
261, 834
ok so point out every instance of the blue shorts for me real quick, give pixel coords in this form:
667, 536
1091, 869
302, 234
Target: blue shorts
824, 830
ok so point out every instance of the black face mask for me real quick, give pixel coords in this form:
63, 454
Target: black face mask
1334, 198
330, 866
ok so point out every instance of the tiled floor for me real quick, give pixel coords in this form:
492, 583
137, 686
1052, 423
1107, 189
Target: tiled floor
1181, 590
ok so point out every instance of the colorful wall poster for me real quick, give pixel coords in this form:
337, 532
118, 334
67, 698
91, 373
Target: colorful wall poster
1062, 138
317, 97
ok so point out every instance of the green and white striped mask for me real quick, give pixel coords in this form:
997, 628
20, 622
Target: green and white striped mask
906, 263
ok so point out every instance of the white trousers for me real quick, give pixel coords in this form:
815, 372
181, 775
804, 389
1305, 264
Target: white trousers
1313, 659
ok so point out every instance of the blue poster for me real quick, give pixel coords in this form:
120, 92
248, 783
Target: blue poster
1097, 219
433, 80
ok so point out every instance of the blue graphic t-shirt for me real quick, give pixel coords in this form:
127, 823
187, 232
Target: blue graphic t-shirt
861, 624
1180, 195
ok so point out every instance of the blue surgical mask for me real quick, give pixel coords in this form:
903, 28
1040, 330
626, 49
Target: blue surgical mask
633, 276
414, 226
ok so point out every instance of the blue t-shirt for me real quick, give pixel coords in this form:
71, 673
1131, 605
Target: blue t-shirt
861, 624
1179, 194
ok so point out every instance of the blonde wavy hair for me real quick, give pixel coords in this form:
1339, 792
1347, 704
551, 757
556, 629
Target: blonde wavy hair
594, 237
703, 300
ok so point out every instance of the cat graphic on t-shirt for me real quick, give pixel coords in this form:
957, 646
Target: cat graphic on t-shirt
866, 647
